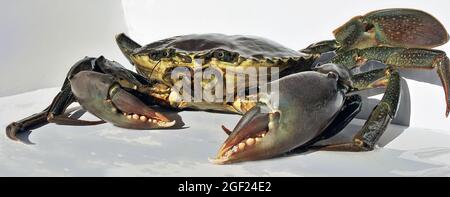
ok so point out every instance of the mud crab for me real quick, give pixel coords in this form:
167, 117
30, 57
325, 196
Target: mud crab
315, 102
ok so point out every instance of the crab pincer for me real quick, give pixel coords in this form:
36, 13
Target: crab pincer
398, 37
102, 95
396, 27
276, 127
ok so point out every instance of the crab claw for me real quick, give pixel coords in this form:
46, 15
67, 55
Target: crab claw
101, 95
397, 27
276, 127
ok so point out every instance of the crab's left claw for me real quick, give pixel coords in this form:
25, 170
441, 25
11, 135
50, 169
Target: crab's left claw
101, 95
273, 128
397, 27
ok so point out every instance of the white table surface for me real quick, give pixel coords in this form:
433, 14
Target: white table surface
105, 150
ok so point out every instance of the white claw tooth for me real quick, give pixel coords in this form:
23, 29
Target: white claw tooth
166, 124
154, 120
129, 116
258, 140
241, 146
143, 118
250, 141
262, 135
124, 113
271, 125
149, 120
135, 116
235, 149
169, 124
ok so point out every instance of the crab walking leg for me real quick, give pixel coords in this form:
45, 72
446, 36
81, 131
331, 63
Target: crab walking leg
371, 79
31, 122
321, 47
58, 113
55, 113
368, 80
412, 58
376, 124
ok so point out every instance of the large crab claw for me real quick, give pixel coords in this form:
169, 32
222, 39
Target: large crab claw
398, 27
308, 102
104, 97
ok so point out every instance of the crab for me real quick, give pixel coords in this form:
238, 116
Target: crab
314, 100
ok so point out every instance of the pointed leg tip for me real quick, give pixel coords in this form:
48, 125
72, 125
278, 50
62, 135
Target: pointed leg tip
16, 132
11, 131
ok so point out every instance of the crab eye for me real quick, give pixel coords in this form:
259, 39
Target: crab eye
225, 56
155, 55
220, 54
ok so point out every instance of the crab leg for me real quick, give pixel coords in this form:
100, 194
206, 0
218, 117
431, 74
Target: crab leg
56, 112
103, 88
379, 119
371, 79
321, 47
412, 58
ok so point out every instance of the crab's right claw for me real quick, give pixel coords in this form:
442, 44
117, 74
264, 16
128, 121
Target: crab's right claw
397, 27
251, 139
273, 128
102, 96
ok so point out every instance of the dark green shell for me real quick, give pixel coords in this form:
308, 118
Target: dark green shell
245, 46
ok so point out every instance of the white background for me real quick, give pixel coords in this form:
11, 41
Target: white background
40, 40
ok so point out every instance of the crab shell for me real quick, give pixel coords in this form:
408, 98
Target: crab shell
156, 60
